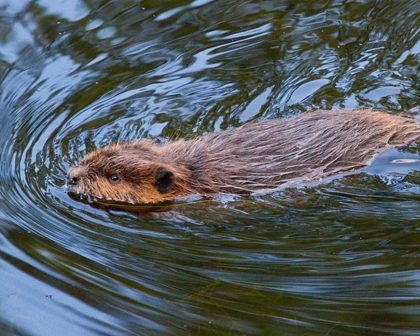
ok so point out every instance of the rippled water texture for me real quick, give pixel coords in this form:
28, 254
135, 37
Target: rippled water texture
338, 258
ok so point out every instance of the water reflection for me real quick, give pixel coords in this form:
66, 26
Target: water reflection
339, 258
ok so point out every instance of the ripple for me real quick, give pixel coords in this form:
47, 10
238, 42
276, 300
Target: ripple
338, 257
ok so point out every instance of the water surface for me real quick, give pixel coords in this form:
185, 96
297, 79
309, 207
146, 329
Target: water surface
336, 258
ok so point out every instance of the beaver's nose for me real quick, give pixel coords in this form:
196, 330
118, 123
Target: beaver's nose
74, 176
73, 180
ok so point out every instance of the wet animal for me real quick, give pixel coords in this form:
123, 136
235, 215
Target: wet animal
257, 156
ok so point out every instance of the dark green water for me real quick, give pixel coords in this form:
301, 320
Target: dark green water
340, 258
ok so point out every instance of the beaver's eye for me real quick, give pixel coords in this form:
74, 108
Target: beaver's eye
114, 178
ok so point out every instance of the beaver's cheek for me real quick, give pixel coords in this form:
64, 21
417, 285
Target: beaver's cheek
87, 187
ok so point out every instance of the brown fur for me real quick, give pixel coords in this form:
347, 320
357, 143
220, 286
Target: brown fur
258, 155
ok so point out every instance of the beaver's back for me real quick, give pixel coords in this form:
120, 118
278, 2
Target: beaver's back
314, 145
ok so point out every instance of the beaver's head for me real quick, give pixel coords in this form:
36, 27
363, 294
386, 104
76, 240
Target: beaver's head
133, 173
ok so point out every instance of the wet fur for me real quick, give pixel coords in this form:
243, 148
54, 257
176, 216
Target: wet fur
258, 155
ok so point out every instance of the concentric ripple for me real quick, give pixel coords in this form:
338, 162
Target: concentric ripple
335, 258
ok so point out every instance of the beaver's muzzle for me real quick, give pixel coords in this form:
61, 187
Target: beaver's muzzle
75, 175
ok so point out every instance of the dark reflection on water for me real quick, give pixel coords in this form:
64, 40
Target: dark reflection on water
339, 258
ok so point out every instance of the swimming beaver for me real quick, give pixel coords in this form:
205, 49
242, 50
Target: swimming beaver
258, 155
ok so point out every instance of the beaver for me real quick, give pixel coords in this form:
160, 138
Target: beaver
257, 156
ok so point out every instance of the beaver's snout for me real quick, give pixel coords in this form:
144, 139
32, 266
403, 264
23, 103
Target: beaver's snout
75, 175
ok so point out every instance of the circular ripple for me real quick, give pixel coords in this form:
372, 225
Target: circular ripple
338, 257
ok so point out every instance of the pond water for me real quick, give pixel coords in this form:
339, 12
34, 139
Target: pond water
337, 258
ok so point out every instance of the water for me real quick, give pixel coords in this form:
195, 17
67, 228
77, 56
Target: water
336, 258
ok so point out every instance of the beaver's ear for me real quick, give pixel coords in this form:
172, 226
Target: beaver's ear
164, 180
